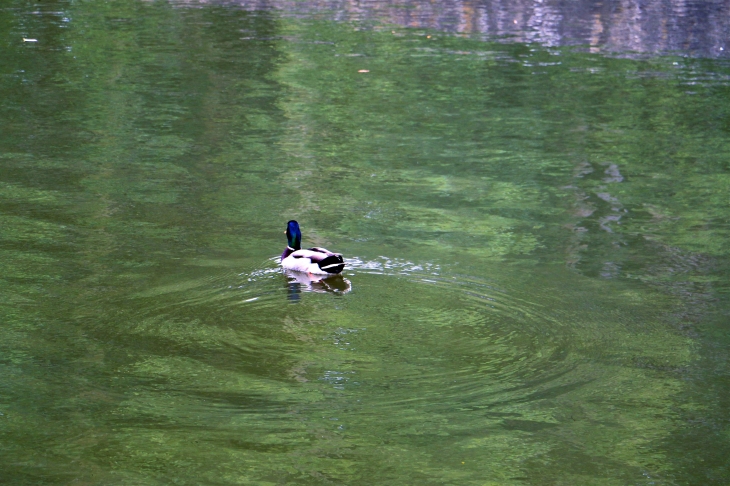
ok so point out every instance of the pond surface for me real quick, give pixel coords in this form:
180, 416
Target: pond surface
536, 236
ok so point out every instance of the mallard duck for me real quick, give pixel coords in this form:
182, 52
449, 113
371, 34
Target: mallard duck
315, 260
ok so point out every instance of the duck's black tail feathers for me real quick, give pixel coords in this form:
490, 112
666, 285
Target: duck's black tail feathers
332, 264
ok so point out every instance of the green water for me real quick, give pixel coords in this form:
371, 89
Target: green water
538, 278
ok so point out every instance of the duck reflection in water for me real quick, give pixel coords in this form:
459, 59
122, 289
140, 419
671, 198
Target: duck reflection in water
298, 282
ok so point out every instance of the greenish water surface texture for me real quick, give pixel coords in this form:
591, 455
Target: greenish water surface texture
536, 236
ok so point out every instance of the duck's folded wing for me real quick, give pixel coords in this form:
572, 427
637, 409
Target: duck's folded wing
312, 255
323, 250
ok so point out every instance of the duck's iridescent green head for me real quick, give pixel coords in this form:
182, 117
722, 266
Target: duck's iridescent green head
293, 235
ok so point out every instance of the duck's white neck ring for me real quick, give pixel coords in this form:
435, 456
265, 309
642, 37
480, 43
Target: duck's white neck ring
290, 248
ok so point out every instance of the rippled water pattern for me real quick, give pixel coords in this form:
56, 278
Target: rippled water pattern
536, 288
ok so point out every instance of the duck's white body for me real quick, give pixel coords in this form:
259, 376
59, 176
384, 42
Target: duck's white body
308, 261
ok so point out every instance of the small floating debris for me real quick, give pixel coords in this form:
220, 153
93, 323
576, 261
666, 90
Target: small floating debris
29, 40
364, 71
251, 300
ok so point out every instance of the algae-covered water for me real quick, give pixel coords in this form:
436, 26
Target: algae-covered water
536, 235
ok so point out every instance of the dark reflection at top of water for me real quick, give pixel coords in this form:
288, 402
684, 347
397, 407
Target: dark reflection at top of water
648, 27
